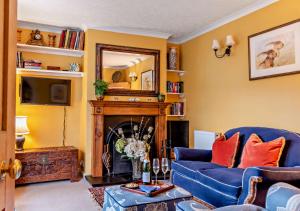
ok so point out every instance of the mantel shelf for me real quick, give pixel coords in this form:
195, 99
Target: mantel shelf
23, 71
49, 50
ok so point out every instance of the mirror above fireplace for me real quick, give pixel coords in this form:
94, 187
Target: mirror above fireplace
128, 71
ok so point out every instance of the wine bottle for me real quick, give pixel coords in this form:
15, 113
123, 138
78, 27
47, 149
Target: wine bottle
146, 170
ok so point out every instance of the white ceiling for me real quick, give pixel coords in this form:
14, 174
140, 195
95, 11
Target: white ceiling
179, 20
114, 60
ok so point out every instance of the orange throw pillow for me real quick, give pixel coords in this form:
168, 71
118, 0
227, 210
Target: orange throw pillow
258, 153
224, 151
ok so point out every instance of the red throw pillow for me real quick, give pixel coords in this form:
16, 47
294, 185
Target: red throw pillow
224, 151
258, 153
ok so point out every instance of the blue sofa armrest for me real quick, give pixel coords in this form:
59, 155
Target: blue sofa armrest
257, 181
282, 195
182, 153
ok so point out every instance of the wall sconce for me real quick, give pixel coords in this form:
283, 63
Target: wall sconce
133, 76
229, 43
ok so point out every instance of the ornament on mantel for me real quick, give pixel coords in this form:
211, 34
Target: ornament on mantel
51, 40
36, 38
172, 60
19, 35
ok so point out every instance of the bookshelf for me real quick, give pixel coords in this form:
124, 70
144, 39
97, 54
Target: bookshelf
49, 50
179, 72
43, 58
57, 73
176, 94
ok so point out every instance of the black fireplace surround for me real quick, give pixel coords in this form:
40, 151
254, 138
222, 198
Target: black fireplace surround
120, 164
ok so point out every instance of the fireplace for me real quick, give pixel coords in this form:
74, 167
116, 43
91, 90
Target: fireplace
120, 164
111, 111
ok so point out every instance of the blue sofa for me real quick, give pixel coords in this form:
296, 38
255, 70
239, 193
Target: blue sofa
281, 196
218, 186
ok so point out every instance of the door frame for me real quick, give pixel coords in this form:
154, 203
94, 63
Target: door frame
8, 45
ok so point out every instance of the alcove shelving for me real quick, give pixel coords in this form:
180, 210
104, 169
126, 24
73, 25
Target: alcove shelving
48, 56
175, 79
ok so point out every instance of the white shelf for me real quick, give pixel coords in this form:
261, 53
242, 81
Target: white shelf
49, 50
181, 95
60, 73
177, 115
179, 72
174, 93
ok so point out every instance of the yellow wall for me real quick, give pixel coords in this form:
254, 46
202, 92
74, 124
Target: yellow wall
92, 38
143, 66
46, 122
219, 94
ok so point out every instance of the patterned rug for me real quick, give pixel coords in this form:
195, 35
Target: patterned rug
98, 195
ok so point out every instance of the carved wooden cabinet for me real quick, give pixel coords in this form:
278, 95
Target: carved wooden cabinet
48, 164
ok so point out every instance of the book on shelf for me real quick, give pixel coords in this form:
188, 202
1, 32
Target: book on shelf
177, 108
20, 60
72, 39
175, 87
32, 64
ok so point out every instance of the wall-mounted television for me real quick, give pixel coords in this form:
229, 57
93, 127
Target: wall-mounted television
45, 91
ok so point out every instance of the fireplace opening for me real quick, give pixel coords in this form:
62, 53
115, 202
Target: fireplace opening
120, 163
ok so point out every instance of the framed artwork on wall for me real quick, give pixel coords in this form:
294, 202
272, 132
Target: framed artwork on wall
59, 93
275, 52
147, 80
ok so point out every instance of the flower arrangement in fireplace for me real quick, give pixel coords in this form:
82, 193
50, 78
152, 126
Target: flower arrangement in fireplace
136, 145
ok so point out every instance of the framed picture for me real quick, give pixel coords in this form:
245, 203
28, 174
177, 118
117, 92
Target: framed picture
275, 52
147, 80
59, 93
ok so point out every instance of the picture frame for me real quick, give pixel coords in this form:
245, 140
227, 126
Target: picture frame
275, 51
59, 93
147, 80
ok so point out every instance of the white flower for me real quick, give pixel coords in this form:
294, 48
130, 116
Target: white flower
135, 149
150, 129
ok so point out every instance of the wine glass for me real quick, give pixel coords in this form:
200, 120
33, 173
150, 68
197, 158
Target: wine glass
156, 168
165, 166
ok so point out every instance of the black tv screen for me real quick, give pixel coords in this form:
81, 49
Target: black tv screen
45, 91
178, 133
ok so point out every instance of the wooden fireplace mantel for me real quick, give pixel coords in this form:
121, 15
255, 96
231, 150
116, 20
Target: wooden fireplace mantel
104, 108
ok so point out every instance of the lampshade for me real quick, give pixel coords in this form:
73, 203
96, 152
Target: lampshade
229, 40
21, 125
215, 45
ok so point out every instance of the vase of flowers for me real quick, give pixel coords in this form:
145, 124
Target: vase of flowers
135, 146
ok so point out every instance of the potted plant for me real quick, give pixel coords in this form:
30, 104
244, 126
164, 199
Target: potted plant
100, 88
161, 97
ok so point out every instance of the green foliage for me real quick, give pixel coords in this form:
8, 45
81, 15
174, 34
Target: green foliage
120, 145
100, 87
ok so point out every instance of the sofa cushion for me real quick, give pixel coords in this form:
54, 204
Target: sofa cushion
190, 168
224, 151
292, 142
225, 181
258, 153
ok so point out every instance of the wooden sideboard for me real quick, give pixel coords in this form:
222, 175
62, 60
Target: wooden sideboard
48, 164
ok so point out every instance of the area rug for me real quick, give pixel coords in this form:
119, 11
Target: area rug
98, 195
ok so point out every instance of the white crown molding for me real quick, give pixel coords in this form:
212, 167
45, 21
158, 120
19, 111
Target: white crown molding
133, 31
236, 15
